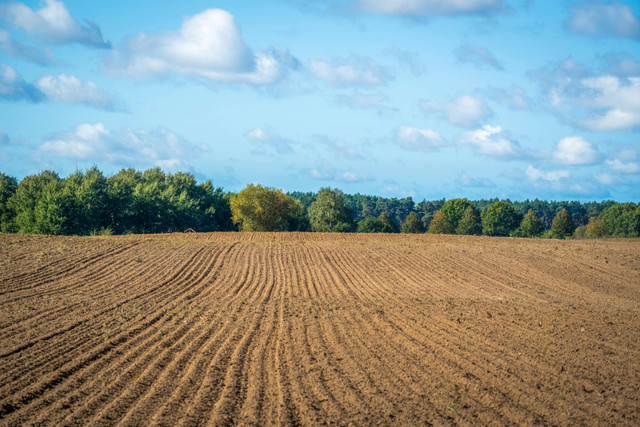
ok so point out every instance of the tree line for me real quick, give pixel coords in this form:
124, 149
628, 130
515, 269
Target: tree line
152, 201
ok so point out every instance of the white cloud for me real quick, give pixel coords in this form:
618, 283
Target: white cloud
52, 23
126, 147
270, 138
619, 166
491, 141
465, 110
352, 71
14, 88
432, 7
515, 97
620, 99
573, 150
477, 56
536, 174
208, 45
71, 90
599, 18
415, 139
60, 88
327, 172
595, 102
22, 50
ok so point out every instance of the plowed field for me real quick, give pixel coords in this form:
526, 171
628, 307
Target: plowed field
304, 329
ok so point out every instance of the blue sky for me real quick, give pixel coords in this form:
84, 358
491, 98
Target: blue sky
422, 98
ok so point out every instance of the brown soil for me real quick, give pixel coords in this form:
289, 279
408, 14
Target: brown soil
263, 329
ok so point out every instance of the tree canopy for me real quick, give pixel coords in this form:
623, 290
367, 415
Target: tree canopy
500, 219
562, 226
329, 211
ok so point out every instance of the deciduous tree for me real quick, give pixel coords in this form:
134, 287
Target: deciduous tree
500, 219
413, 224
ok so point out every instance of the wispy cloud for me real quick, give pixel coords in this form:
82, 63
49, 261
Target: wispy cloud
478, 56
433, 7
269, 138
535, 174
52, 23
514, 97
327, 172
465, 180
14, 88
351, 71
604, 18
465, 110
22, 50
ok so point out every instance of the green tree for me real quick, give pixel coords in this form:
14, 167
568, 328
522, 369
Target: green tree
8, 187
500, 219
440, 224
329, 211
413, 224
531, 226
87, 195
382, 224
258, 208
596, 228
40, 205
122, 211
562, 226
454, 209
622, 220
388, 224
470, 222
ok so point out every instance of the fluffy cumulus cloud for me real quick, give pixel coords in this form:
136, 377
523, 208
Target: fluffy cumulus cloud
71, 90
573, 150
327, 172
270, 139
22, 50
14, 88
126, 147
208, 45
433, 7
598, 102
604, 18
625, 162
535, 174
352, 71
491, 141
477, 56
415, 139
52, 23
465, 110
60, 88
618, 101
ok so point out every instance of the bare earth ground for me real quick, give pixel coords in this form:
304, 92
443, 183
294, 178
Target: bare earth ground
231, 328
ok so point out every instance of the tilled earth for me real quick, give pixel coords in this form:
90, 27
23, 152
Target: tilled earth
304, 329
